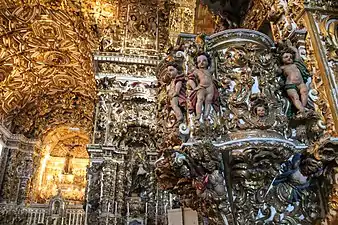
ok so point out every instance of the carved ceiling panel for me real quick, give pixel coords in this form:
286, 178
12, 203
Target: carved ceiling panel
46, 67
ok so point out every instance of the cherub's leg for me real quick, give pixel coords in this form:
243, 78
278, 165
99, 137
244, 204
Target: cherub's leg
176, 108
293, 95
200, 101
207, 105
303, 93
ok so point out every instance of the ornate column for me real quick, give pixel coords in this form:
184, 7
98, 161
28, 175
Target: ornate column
124, 141
321, 21
326, 151
25, 170
93, 191
16, 170
17, 167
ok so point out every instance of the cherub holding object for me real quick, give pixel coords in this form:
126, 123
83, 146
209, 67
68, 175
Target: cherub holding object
204, 87
176, 90
296, 75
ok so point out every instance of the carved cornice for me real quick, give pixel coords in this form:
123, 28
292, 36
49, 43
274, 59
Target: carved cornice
122, 66
102, 152
16, 141
121, 58
228, 37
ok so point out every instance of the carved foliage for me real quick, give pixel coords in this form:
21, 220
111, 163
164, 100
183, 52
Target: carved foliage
123, 106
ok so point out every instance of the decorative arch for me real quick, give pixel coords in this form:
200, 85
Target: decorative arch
61, 163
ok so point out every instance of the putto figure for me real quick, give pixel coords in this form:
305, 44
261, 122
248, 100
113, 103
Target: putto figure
176, 90
296, 75
204, 87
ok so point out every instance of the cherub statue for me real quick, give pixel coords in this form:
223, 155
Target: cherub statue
298, 173
211, 187
204, 87
296, 75
176, 90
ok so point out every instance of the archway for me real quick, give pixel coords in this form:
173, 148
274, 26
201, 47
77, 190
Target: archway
61, 166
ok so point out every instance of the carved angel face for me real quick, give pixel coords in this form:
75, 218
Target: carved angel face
202, 62
287, 58
172, 71
260, 110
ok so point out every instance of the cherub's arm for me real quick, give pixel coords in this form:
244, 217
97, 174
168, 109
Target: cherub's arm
294, 49
192, 84
212, 68
178, 87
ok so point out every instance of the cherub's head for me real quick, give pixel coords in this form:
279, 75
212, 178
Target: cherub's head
287, 58
202, 61
260, 110
174, 69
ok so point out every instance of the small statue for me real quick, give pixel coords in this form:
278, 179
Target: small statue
132, 25
211, 187
298, 173
176, 90
68, 166
204, 87
296, 76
